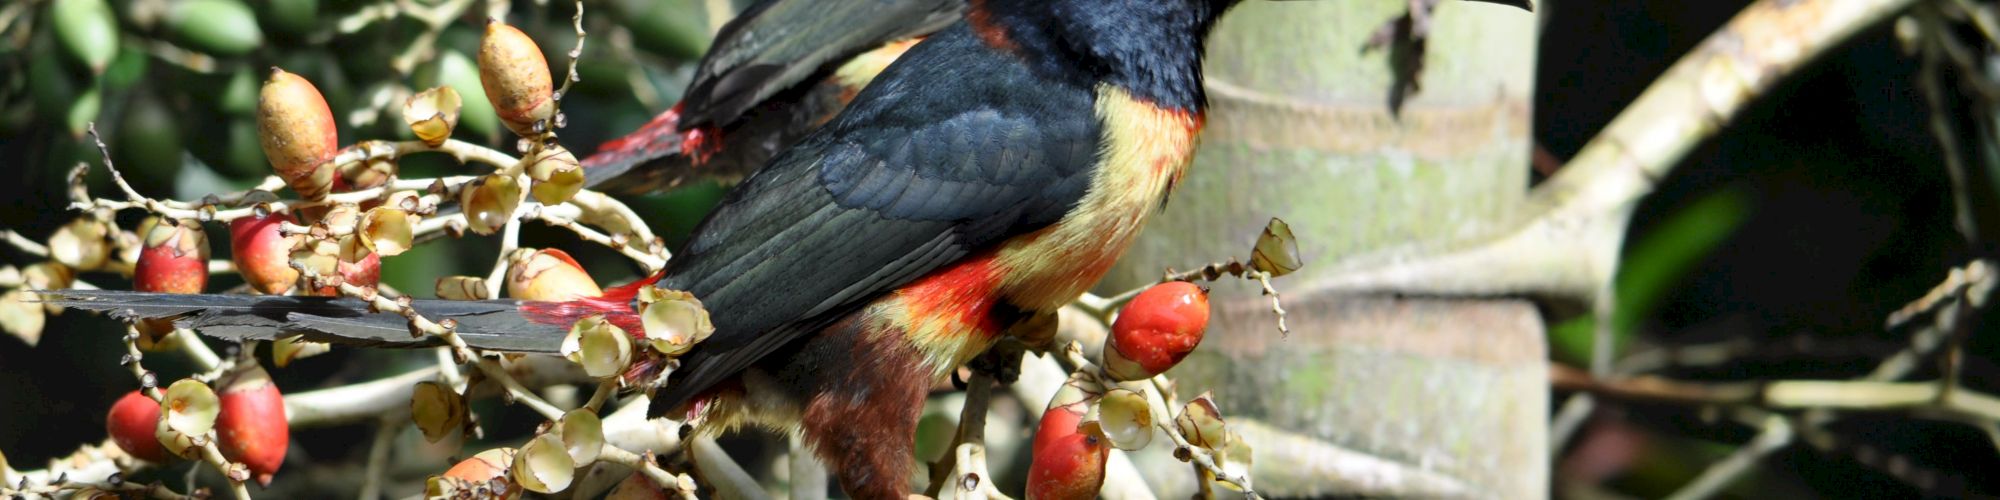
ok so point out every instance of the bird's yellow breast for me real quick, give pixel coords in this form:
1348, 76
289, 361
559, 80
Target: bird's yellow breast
1144, 150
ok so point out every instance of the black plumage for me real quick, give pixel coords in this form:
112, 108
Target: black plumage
912, 177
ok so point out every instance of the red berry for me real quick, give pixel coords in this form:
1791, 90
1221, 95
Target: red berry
262, 253
174, 259
471, 477
1068, 463
1154, 332
252, 428
130, 424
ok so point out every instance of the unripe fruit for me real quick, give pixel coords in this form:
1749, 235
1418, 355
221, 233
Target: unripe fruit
1068, 463
174, 259
88, 31
252, 428
219, 27
549, 274
262, 253
131, 423
1154, 332
296, 130
516, 78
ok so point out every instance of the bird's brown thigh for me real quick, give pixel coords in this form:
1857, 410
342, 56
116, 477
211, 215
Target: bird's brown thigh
862, 415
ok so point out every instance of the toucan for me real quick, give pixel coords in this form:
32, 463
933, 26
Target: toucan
987, 177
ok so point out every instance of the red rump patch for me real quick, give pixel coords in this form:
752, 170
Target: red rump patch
615, 305
964, 293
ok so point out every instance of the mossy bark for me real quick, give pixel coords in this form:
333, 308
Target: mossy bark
1301, 128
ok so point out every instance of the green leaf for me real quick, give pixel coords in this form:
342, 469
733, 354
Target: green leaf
1653, 264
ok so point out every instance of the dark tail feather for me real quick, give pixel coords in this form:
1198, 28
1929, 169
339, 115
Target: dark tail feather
646, 160
491, 324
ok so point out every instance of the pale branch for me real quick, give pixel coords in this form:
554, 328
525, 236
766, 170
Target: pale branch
424, 47
605, 390
510, 240
29, 246
356, 402
1944, 104
1564, 239
205, 360
629, 428
728, 478
615, 217
1849, 395
448, 369
515, 392
1974, 280
575, 54
1774, 434
808, 477
1950, 317
679, 483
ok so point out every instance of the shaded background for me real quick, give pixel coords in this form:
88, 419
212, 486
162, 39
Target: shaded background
1821, 209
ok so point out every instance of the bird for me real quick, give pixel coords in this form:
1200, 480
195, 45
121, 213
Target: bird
989, 176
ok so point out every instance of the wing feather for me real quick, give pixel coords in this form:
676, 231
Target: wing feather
910, 179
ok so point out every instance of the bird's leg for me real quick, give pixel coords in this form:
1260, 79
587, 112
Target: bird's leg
861, 417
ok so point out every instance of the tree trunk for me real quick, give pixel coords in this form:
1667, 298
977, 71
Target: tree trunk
1435, 396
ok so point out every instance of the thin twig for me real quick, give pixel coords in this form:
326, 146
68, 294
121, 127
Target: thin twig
29, 246
1776, 433
378, 457
650, 262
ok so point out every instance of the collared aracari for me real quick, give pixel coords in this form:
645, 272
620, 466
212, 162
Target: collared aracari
989, 176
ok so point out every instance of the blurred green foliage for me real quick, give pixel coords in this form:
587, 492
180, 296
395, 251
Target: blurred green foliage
171, 84
1653, 266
